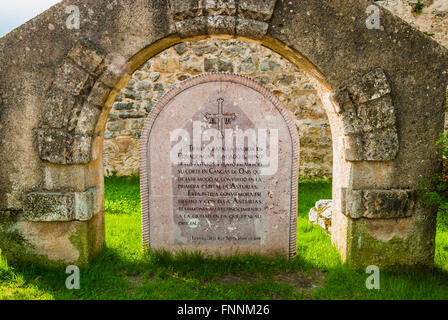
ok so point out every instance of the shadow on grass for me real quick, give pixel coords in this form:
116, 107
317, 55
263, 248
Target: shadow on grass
162, 275
122, 271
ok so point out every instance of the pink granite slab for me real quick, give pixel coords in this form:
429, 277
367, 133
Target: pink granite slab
196, 199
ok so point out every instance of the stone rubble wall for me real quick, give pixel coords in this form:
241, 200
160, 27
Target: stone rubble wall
176, 64
185, 60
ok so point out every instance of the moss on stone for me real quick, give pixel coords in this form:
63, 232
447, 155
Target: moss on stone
79, 239
12, 242
15, 248
414, 251
18, 250
87, 238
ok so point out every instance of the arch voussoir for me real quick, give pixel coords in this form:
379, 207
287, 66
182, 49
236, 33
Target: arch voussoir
74, 104
368, 118
245, 18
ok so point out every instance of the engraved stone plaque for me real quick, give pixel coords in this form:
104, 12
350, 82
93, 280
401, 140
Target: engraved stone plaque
219, 169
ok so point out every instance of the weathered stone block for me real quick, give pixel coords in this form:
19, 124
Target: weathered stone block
261, 10
180, 48
353, 203
131, 114
50, 206
155, 77
286, 80
86, 56
159, 87
376, 114
267, 65
342, 101
59, 146
133, 95
313, 215
58, 107
73, 79
221, 25
99, 94
247, 66
109, 135
166, 64
379, 204
372, 86
116, 125
350, 123
353, 148
137, 124
81, 149
217, 65
86, 204
52, 145
368, 118
61, 206
192, 27
321, 214
144, 85
380, 145
87, 119
386, 204
123, 105
131, 84
251, 28
220, 7
116, 68
187, 9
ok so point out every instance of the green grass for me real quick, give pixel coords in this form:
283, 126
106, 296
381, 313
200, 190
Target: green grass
123, 271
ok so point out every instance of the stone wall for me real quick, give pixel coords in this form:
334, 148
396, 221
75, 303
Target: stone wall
176, 64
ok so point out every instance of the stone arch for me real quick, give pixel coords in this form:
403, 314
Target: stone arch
373, 88
187, 59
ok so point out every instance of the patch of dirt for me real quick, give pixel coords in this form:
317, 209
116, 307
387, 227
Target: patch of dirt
135, 279
301, 281
232, 279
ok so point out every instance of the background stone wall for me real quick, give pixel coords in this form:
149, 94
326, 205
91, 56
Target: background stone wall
161, 73
433, 18
157, 76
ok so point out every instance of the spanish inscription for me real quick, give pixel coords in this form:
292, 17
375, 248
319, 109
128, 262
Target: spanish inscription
219, 193
219, 158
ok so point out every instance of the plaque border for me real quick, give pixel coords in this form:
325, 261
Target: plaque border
218, 77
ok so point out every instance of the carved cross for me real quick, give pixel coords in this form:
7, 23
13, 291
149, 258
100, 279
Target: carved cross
221, 118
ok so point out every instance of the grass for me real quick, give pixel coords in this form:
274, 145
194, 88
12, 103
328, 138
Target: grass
123, 271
